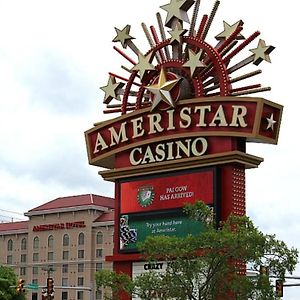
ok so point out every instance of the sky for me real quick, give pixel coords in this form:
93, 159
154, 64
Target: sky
54, 56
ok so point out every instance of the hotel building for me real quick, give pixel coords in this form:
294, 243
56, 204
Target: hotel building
66, 239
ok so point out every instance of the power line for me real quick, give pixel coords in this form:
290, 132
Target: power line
12, 212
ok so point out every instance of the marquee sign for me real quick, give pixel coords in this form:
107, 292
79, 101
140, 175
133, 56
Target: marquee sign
188, 128
185, 114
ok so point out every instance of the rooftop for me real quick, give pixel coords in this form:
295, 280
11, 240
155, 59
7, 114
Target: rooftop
75, 201
14, 226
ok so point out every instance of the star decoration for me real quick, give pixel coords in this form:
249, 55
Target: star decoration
123, 36
143, 65
111, 90
262, 52
194, 61
177, 34
162, 90
271, 122
229, 30
177, 9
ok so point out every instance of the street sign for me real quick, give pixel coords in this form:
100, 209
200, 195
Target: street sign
32, 286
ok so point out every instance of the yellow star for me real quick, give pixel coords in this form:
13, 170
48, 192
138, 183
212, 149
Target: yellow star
111, 90
229, 30
262, 52
123, 36
177, 34
162, 90
143, 65
194, 62
177, 9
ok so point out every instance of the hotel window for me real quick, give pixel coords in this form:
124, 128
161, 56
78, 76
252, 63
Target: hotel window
65, 269
23, 258
22, 271
81, 239
80, 253
98, 295
35, 281
24, 244
50, 241
64, 295
50, 256
9, 259
9, 245
80, 295
65, 255
80, 268
36, 242
99, 239
80, 281
98, 253
66, 240
35, 270
35, 257
64, 281
99, 267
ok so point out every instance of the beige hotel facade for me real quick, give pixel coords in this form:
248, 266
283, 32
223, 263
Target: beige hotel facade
67, 238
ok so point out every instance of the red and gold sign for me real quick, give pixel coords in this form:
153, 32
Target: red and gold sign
182, 132
185, 112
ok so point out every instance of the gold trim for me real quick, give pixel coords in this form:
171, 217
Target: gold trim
234, 157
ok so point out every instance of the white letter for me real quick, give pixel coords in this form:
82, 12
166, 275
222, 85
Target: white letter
132, 158
137, 127
238, 117
148, 156
203, 145
219, 116
170, 151
160, 152
185, 117
171, 119
117, 138
154, 125
202, 109
100, 142
185, 149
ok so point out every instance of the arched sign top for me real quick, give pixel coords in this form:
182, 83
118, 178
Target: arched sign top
192, 67
180, 101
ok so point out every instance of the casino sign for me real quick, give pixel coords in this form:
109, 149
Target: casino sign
181, 99
183, 114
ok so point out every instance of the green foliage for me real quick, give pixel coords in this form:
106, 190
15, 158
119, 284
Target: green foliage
210, 266
8, 283
116, 282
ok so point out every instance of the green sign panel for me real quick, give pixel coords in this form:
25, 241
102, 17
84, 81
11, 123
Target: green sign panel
32, 286
136, 228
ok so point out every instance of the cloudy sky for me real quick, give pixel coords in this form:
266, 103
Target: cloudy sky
54, 56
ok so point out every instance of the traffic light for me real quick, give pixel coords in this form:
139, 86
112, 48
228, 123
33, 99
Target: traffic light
279, 288
50, 286
20, 287
44, 294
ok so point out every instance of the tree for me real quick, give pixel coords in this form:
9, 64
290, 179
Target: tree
212, 264
8, 282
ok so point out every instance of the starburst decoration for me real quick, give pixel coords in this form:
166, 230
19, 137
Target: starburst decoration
197, 68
